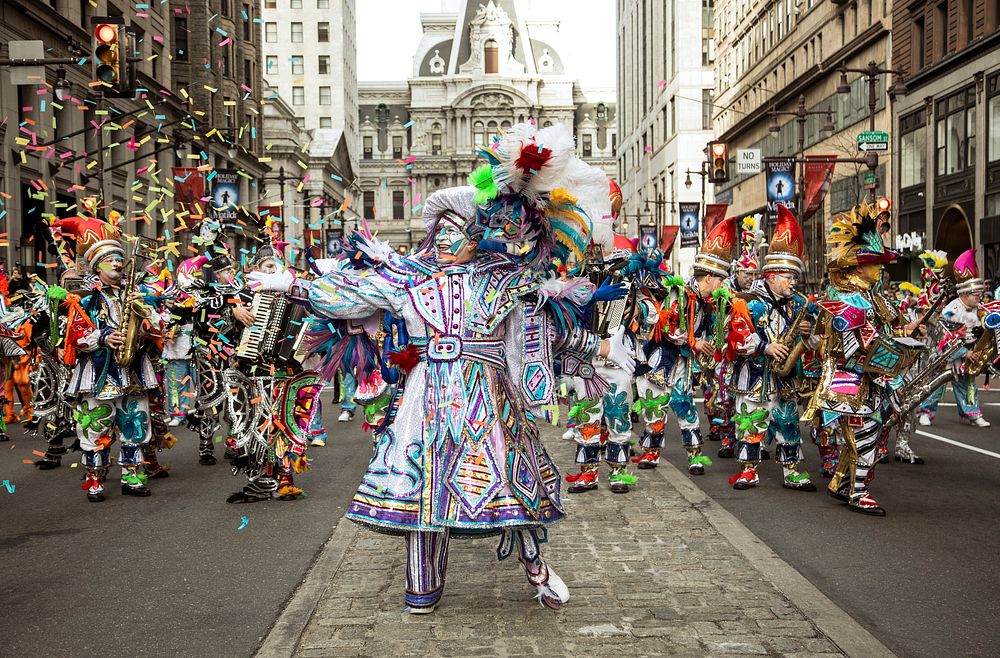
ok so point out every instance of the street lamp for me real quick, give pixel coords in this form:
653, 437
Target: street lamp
62, 87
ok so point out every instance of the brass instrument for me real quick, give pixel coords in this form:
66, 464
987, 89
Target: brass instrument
936, 372
134, 314
784, 368
983, 354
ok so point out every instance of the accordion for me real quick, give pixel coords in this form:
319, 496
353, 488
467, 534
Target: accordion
276, 332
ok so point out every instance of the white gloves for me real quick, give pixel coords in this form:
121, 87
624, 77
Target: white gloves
620, 352
277, 282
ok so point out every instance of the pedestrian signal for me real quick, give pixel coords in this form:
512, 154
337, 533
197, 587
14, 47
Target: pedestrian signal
718, 154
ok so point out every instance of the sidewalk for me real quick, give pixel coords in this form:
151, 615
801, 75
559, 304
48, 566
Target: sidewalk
661, 571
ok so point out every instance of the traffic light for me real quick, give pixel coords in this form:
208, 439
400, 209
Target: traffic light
112, 43
718, 156
883, 205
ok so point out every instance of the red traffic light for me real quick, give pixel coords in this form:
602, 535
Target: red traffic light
106, 33
719, 150
883, 204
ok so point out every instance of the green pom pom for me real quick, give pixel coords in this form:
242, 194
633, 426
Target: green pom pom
482, 179
56, 294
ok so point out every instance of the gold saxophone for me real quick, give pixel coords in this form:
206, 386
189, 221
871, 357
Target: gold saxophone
784, 368
135, 313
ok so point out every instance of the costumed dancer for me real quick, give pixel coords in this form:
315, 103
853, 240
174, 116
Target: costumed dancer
683, 342
596, 415
723, 399
158, 292
860, 357
463, 456
962, 314
769, 328
110, 389
17, 320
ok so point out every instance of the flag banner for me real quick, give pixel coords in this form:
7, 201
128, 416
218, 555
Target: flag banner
780, 176
689, 224
668, 235
189, 192
225, 196
819, 177
714, 213
333, 243
647, 238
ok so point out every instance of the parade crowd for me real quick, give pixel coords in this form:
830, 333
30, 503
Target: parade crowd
523, 296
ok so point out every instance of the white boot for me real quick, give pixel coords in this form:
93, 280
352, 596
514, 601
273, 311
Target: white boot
554, 593
568, 434
924, 420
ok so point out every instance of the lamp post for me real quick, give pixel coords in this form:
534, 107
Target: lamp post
801, 115
688, 183
658, 203
871, 73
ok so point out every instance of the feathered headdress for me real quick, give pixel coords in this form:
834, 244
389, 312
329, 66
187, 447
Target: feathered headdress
934, 264
854, 239
751, 240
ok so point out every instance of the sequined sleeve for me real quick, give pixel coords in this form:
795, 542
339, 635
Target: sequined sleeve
355, 294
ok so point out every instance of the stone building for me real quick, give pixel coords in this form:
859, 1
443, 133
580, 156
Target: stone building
476, 71
946, 129
665, 89
771, 52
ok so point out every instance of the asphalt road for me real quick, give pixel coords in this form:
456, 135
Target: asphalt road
166, 575
925, 578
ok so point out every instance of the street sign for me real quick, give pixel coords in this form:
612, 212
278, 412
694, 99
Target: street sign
27, 75
873, 140
748, 161
871, 182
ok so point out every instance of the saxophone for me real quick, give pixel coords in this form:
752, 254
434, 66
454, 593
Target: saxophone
133, 314
784, 368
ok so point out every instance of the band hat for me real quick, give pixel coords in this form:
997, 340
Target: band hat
95, 239
966, 274
785, 251
716, 253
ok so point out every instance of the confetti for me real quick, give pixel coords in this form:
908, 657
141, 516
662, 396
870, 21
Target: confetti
243, 523
9, 486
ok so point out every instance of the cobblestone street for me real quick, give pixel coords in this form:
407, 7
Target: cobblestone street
648, 573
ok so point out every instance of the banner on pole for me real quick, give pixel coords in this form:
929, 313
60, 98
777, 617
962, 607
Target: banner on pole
668, 235
648, 240
225, 196
689, 224
780, 176
714, 213
819, 177
189, 192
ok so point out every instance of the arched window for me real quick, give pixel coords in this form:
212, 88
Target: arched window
505, 125
492, 57
478, 134
492, 133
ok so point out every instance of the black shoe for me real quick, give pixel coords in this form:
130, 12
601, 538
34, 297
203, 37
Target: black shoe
916, 460
4, 437
839, 496
806, 486
139, 492
727, 452
31, 425
619, 488
161, 474
207, 460
645, 466
46, 464
869, 511
244, 497
96, 497
581, 488
696, 469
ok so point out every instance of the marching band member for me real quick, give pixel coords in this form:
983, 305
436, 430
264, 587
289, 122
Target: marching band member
765, 321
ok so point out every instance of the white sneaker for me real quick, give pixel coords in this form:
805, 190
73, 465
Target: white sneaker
345, 416
175, 421
554, 593
979, 421
924, 420
419, 611
568, 434
319, 443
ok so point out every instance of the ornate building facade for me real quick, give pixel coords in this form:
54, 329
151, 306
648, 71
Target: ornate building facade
476, 71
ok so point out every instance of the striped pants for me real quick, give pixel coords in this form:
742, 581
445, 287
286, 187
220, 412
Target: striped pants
858, 454
427, 562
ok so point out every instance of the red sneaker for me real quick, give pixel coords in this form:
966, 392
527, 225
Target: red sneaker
866, 505
745, 479
649, 459
582, 481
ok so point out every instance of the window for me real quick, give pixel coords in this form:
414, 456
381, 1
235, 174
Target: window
993, 120
588, 145
324, 64
492, 57
479, 134
369, 205
180, 39
296, 29
397, 204
298, 68
326, 122
271, 64
397, 147
969, 14
295, 4
436, 142
323, 32
492, 132
941, 29
917, 45
913, 146
707, 96
322, 4
298, 95
271, 32
270, 4
325, 96
956, 132
247, 71
367, 148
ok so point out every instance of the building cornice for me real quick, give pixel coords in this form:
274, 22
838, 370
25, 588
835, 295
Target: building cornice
953, 61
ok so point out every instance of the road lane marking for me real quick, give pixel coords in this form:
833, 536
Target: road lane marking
957, 443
